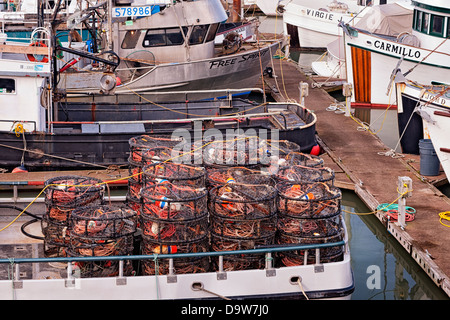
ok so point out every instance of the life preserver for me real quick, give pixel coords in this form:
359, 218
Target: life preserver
32, 57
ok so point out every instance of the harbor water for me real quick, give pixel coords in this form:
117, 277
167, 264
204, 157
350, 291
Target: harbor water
382, 268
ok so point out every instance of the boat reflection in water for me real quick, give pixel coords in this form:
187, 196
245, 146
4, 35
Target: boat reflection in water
383, 270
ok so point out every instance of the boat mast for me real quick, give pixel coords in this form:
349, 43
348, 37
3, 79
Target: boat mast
235, 13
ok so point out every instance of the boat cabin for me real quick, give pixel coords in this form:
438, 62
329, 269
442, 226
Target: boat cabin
431, 23
164, 36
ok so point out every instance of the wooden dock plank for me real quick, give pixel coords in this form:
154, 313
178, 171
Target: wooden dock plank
375, 176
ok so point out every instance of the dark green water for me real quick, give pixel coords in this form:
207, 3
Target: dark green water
382, 268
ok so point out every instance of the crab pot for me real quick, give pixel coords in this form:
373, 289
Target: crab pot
299, 257
242, 216
308, 200
80, 247
102, 222
219, 176
301, 159
175, 173
175, 231
139, 145
310, 228
181, 265
101, 231
239, 151
239, 262
63, 195
235, 200
302, 174
170, 202
56, 237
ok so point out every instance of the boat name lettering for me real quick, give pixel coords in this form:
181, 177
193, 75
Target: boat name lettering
231, 61
404, 51
434, 99
319, 14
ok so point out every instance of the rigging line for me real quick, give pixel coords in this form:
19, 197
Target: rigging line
431, 52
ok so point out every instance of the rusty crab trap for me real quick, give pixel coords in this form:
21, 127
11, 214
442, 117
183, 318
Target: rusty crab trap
174, 218
144, 150
308, 200
302, 174
309, 213
243, 175
242, 217
175, 173
63, 195
239, 151
102, 230
152, 148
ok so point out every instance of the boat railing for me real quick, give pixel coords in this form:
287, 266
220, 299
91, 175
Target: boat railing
267, 250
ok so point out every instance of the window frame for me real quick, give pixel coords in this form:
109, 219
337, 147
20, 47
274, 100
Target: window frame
14, 87
432, 19
164, 33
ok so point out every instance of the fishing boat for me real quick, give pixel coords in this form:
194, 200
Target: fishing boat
315, 24
47, 131
373, 57
332, 63
428, 108
216, 253
173, 49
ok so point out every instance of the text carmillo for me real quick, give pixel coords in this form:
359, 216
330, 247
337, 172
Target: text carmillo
398, 49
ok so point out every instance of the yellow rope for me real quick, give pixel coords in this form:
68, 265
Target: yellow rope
444, 216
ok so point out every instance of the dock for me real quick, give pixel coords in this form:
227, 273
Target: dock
360, 164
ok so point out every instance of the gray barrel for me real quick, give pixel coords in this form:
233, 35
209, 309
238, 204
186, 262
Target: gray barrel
429, 161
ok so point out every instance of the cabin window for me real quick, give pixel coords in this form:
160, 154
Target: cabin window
448, 28
7, 85
131, 38
425, 22
437, 25
198, 34
164, 37
212, 32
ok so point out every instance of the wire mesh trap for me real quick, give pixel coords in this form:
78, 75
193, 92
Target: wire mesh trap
300, 173
308, 200
301, 159
170, 202
217, 176
181, 265
101, 231
152, 147
63, 195
242, 216
301, 257
239, 151
175, 173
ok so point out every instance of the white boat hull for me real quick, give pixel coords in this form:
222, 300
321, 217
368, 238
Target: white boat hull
426, 66
335, 282
435, 113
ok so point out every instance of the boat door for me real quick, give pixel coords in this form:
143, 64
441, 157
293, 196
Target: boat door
361, 67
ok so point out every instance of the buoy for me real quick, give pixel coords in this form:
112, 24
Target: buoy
20, 168
315, 151
164, 249
308, 196
118, 81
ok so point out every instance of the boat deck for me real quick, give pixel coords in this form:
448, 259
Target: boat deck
355, 157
